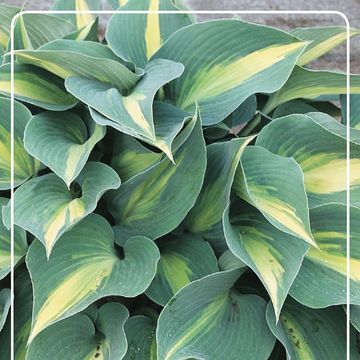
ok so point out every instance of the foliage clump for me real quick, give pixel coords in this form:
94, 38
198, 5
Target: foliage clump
179, 188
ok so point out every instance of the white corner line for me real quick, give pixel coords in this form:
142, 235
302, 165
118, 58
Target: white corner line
230, 12
348, 268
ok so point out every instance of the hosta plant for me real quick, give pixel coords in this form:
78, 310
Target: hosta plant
179, 188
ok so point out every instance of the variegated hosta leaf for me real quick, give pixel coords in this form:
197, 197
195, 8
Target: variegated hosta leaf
318, 144
224, 65
36, 86
84, 267
184, 258
33, 30
79, 19
275, 186
7, 13
47, 208
133, 113
137, 37
323, 39
155, 201
167, 121
354, 111
25, 165
321, 280
130, 157
311, 334
273, 255
205, 217
228, 261
86, 33
140, 333
20, 244
355, 316
207, 310
62, 141
312, 84
5, 301
79, 338
23, 301
90, 60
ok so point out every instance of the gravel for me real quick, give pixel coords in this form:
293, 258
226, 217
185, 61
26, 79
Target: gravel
334, 60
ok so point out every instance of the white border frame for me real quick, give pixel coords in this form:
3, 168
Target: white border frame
217, 12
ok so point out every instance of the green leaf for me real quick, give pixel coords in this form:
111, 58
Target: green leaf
90, 60
37, 87
206, 216
137, 37
302, 107
6, 15
224, 65
323, 39
318, 144
84, 267
25, 166
220, 130
5, 340
354, 110
23, 301
79, 19
311, 84
184, 258
321, 281
62, 141
115, 4
78, 337
20, 244
207, 310
45, 207
327, 107
311, 334
140, 333
5, 302
275, 186
133, 113
293, 107
355, 316
155, 201
130, 157
32, 30
273, 255
245, 112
